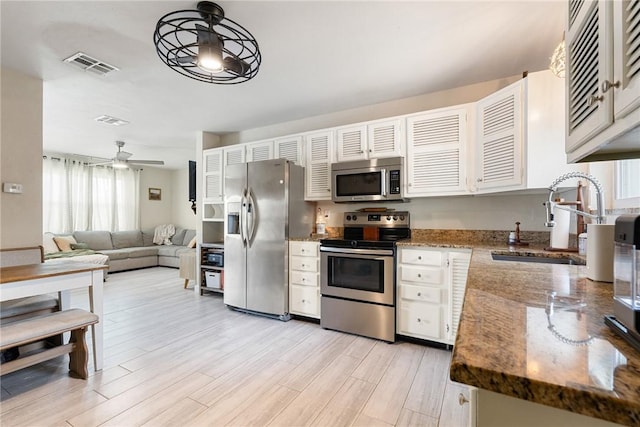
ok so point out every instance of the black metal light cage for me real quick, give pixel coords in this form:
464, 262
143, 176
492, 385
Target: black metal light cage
176, 38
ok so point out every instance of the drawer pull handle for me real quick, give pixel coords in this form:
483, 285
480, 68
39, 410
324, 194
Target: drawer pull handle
419, 294
419, 275
419, 320
420, 258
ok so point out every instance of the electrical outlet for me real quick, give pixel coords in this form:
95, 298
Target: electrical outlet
10, 187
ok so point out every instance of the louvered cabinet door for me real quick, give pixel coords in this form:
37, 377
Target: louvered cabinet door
384, 139
352, 143
626, 48
212, 175
290, 148
436, 153
588, 64
234, 155
500, 139
318, 170
257, 151
458, 266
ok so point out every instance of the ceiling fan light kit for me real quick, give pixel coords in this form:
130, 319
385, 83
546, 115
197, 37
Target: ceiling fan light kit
206, 46
122, 160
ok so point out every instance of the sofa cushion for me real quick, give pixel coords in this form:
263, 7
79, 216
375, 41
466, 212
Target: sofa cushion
117, 254
48, 244
178, 237
171, 250
97, 240
147, 236
64, 242
126, 239
188, 236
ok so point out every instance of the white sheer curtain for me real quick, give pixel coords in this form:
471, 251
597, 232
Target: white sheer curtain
80, 197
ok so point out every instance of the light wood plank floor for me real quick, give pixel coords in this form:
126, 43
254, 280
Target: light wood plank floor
174, 358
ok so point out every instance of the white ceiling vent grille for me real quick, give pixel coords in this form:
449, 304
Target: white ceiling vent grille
89, 63
113, 121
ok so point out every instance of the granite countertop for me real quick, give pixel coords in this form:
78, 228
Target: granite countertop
536, 332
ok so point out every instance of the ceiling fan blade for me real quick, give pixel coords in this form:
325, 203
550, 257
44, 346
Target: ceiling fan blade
123, 155
146, 162
101, 163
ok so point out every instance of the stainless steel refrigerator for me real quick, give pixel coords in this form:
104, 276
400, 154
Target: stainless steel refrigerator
264, 208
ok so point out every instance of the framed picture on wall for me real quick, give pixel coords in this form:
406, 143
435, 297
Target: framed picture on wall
155, 194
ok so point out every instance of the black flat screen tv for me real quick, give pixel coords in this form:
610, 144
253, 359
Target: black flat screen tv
192, 181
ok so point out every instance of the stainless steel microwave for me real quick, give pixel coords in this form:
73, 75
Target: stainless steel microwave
368, 180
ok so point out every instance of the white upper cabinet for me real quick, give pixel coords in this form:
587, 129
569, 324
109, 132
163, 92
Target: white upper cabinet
499, 139
520, 136
320, 148
234, 155
626, 58
602, 80
290, 148
257, 151
371, 140
212, 175
437, 152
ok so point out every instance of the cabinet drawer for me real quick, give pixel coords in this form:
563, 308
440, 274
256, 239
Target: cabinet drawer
422, 293
304, 263
304, 248
304, 300
305, 278
432, 276
421, 320
421, 257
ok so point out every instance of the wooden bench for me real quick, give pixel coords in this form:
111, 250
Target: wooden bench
38, 328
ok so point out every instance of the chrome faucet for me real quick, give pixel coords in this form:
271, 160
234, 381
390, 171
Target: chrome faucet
551, 205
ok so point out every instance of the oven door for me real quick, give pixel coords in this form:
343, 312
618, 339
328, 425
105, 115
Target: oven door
358, 274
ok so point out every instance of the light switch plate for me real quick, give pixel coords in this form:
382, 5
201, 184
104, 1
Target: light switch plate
10, 187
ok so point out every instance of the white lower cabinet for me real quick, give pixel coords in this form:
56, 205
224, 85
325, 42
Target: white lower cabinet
304, 280
430, 282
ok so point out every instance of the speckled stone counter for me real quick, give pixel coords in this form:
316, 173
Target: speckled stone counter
536, 332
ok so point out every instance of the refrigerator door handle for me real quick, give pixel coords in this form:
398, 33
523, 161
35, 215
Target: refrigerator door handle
251, 217
243, 217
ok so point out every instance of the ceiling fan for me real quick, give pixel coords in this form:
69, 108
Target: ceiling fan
121, 160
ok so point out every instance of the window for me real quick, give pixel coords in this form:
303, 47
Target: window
76, 196
627, 183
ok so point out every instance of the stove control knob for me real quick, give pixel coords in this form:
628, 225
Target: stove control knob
395, 218
388, 218
348, 217
354, 243
401, 217
355, 217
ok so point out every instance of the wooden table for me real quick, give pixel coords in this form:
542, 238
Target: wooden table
36, 279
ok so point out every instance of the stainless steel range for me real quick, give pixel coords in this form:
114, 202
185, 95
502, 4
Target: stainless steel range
358, 274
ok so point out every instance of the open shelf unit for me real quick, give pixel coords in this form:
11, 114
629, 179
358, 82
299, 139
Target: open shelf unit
215, 272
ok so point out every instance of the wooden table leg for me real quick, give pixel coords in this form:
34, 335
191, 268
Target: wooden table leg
186, 282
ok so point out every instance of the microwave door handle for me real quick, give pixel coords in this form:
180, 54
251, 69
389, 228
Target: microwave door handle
383, 182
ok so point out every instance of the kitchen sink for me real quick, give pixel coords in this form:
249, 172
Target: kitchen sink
540, 258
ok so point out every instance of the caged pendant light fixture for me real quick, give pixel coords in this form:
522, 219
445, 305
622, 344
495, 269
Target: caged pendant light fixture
206, 46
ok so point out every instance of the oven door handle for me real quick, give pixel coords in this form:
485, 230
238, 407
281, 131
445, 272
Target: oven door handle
346, 251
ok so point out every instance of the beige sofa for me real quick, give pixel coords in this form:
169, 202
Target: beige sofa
128, 250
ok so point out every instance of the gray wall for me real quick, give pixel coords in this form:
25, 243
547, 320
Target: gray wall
21, 159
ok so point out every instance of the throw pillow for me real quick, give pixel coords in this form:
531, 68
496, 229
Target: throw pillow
79, 246
192, 243
48, 244
64, 242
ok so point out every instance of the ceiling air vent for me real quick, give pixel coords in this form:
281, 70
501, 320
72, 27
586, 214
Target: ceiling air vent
88, 63
111, 120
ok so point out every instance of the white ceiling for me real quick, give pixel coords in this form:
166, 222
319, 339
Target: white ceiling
317, 57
